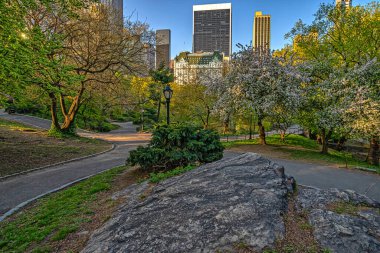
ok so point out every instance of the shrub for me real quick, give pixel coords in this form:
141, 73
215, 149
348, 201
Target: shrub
177, 145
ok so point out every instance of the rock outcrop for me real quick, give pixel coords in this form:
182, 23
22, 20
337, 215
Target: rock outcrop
237, 201
343, 221
240, 200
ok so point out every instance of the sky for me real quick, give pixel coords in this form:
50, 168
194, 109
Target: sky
177, 16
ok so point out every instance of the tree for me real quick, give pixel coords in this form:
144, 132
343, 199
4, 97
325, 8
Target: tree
363, 111
260, 82
192, 103
337, 41
161, 77
81, 50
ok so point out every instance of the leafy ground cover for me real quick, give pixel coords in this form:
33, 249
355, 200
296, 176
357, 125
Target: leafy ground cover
63, 221
160, 176
299, 148
23, 148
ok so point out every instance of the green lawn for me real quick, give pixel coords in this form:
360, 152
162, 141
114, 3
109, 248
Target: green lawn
299, 147
56, 216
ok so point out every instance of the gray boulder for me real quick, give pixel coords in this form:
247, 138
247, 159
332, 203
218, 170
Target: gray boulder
214, 207
342, 232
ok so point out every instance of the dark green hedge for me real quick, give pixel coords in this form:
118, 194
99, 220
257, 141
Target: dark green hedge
177, 145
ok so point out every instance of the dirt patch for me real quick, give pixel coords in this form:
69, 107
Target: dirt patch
298, 232
23, 149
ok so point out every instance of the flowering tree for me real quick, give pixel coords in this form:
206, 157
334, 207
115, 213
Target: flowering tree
363, 111
259, 82
329, 50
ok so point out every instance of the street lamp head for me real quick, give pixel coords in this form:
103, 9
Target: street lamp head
168, 92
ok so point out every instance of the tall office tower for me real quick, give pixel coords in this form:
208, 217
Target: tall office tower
212, 28
346, 3
117, 6
261, 31
163, 38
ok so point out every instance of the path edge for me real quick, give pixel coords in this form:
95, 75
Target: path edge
57, 164
25, 203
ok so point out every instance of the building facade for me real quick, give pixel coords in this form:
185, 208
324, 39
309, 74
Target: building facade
261, 31
117, 6
345, 3
190, 68
148, 56
212, 28
163, 43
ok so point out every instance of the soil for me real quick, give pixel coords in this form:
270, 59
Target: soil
23, 149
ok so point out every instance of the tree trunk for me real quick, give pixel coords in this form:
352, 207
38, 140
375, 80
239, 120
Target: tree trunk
282, 135
225, 126
324, 142
261, 132
158, 109
53, 111
374, 151
340, 144
250, 126
68, 125
207, 119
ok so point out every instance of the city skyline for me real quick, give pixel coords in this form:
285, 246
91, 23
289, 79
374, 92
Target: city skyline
261, 31
163, 46
178, 18
212, 28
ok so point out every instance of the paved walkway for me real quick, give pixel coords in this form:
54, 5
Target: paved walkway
325, 177
18, 190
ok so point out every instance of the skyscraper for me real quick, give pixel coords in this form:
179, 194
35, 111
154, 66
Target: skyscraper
261, 31
163, 38
346, 3
117, 6
212, 28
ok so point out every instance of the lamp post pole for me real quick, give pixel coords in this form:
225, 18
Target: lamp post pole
168, 93
167, 111
142, 120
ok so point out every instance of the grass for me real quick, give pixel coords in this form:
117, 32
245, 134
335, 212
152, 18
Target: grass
291, 140
56, 216
301, 148
160, 176
342, 207
37, 149
15, 125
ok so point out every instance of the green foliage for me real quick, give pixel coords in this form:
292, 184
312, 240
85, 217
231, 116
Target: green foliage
55, 216
160, 176
307, 149
291, 140
162, 75
177, 145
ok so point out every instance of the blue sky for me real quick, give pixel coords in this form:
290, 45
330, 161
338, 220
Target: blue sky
176, 15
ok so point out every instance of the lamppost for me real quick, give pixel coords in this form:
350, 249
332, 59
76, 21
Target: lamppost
168, 93
142, 119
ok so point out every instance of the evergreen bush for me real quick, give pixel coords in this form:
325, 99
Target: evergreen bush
177, 145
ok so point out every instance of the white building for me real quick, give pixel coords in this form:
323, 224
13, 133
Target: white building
346, 3
192, 67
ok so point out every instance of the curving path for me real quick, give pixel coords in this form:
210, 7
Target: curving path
16, 192
325, 177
